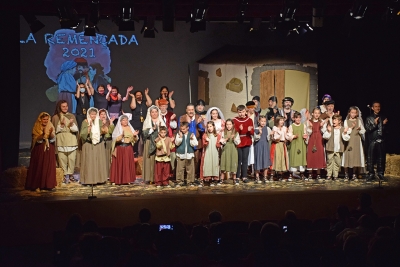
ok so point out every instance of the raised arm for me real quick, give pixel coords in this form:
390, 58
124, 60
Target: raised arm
109, 92
171, 101
148, 99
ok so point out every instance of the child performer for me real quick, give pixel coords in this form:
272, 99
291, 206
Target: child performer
245, 127
164, 144
229, 157
185, 142
297, 135
262, 161
210, 156
279, 156
353, 156
315, 150
336, 136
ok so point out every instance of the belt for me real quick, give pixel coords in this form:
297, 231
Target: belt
90, 141
124, 144
108, 139
242, 135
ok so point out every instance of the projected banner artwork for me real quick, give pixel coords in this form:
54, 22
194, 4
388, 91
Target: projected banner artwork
72, 57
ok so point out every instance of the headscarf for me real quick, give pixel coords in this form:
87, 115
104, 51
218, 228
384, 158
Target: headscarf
208, 114
148, 122
118, 130
326, 96
37, 130
65, 80
95, 130
304, 114
360, 120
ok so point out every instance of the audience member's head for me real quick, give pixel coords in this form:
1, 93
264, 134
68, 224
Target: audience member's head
215, 216
144, 215
290, 215
270, 235
254, 228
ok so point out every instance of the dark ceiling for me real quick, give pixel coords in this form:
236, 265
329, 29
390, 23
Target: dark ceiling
219, 10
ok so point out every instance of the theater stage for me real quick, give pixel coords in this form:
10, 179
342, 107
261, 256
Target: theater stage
30, 217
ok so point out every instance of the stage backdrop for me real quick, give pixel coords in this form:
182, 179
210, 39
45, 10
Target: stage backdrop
53, 60
232, 75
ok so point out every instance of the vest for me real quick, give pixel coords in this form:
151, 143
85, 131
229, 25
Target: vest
161, 152
185, 143
330, 144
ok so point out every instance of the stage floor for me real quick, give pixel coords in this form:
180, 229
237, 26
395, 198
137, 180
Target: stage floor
76, 191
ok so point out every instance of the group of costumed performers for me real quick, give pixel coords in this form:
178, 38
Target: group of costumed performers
201, 146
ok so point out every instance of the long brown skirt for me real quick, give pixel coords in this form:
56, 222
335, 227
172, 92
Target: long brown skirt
93, 164
123, 169
42, 168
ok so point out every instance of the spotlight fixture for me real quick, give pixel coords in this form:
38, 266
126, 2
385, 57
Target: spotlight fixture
34, 24
68, 16
125, 20
242, 10
148, 30
198, 15
289, 9
255, 24
359, 8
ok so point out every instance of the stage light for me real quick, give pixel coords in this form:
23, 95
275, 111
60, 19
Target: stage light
68, 16
148, 30
289, 9
198, 16
242, 10
359, 8
34, 24
125, 20
255, 24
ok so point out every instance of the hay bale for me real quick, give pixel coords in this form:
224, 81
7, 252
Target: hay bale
59, 176
139, 165
14, 177
392, 165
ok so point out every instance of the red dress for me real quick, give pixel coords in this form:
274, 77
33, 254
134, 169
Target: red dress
315, 149
42, 168
123, 170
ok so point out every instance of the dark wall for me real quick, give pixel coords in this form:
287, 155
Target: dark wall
10, 82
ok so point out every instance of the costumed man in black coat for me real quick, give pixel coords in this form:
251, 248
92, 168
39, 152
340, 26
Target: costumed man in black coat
375, 125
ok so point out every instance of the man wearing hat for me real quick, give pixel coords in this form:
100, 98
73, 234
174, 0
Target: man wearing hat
200, 110
286, 111
327, 116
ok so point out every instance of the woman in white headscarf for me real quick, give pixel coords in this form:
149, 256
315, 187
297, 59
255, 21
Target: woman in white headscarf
93, 158
151, 125
215, 115
123, 169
